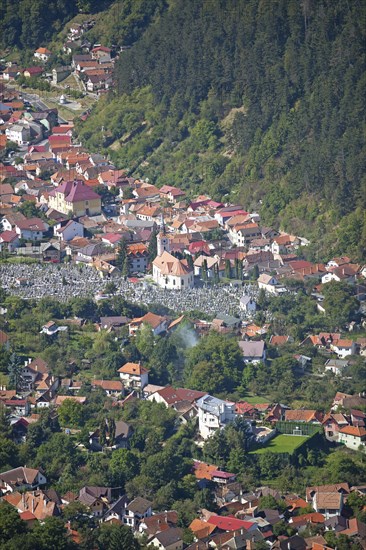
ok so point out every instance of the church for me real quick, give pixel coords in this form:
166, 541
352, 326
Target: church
169, 271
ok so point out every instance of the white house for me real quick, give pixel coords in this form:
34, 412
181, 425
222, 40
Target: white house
336, 366
326, 499
134, 375
9, 240
213, 414
343, 347
21, 478
68, 229
210, 262
158, 323
168, 539
136, 511
31, 229
352, 437
253, 352
19, 133
267, 282
43, 54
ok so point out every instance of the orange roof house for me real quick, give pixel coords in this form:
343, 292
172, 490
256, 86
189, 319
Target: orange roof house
303, 415
134, 375
201, 529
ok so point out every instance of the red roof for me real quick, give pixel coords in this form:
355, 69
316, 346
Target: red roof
8, 236
243, 408
34, 70
172, 395
75, 191
229, 523
199, 246
27, 516
59, 130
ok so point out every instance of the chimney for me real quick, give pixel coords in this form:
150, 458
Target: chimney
32, 497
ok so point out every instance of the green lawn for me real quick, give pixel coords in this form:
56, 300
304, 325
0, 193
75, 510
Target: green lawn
282, 444
254, 399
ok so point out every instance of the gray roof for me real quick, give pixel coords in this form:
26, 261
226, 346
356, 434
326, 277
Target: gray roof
139, 223
228, 320
339, 363
139, 505
114, 321
169, 536
119, 506
252, 349
211, 404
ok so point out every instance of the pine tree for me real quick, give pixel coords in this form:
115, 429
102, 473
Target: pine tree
14, 371
121, 254
216, 275
103, 433
153, 245
112, 431
125, 267
227, 269
204, 271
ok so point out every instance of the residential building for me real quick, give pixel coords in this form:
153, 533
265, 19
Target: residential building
343, 347
336, 366
327, 499
268, 283
95, 499
43, 54
118, 440
21, 478
332, 424
169, 539
33, 72
213, 414
68, 229
9, 240
112, 388
134, 375
31, 229
253, 351
137, 510
33, 505
138, 257
76, 198
19, 133
303, 415
158, 323
353, 437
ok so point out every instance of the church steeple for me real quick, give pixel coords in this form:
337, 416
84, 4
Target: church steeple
162, 241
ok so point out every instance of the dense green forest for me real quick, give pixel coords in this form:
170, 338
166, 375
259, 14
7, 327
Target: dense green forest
261, 101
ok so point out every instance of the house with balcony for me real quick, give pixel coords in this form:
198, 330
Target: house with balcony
213, 414
134, 376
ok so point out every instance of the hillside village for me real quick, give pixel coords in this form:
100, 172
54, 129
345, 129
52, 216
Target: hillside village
97, 264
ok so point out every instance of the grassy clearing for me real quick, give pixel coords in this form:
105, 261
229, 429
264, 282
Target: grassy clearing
255, 399
19, 260
282, 444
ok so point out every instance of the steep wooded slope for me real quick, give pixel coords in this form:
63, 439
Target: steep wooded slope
261, 100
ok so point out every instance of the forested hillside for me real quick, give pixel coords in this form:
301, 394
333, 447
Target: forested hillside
262, 100
32, 23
